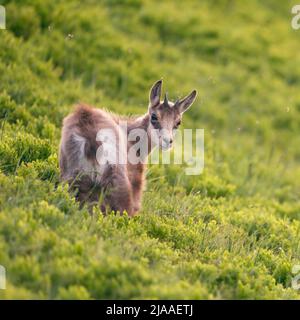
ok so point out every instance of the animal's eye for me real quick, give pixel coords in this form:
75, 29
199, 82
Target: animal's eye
154, 118
177, 124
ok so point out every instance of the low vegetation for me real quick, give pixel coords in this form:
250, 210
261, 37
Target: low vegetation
232, 232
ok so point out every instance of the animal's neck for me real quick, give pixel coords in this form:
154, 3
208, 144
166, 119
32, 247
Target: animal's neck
143, 124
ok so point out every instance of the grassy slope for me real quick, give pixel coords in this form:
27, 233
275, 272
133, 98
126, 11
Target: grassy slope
232, 232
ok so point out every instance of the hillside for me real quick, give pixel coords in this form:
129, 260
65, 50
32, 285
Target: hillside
232, 232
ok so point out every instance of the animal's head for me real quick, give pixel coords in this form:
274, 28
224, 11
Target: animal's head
165, 116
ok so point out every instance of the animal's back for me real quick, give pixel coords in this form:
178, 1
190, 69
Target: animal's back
91, 172
79, 143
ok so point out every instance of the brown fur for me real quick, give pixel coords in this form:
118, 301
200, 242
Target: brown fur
121, 185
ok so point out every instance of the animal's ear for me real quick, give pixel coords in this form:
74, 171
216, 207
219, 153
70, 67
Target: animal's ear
155, 93
186, 102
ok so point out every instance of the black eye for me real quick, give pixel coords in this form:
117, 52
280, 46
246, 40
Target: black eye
177, 124
154, 118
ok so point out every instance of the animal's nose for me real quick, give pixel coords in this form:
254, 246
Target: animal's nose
168, 140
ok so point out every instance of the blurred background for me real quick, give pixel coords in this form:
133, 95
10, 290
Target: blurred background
208, 232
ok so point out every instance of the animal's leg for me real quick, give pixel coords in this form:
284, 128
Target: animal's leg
136, 177
137, 187
87, 190
118, 194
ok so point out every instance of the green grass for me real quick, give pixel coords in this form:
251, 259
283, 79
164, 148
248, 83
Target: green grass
232, 232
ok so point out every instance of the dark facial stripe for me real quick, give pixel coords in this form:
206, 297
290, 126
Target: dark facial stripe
156, 125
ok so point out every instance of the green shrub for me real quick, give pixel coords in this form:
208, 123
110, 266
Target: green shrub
231, 232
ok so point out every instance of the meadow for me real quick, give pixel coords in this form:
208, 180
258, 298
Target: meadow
232, 232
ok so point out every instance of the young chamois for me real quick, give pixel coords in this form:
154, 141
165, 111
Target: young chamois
85, 158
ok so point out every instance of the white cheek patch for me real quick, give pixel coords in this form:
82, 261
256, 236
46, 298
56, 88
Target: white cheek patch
155, 136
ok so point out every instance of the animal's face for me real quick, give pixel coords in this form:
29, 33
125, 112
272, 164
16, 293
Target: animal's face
165, 116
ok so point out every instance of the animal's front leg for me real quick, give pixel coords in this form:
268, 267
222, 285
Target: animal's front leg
137, 190
136, 176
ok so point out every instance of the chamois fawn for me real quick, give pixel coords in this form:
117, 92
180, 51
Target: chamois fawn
116, 185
